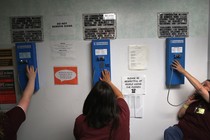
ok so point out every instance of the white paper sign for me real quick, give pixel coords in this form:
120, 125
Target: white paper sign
135, 104
62, 50
138, 57
133, 89
61, 27
133, 84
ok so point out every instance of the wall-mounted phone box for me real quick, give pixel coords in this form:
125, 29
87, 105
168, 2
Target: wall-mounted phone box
100, 58
26, 55
175, 50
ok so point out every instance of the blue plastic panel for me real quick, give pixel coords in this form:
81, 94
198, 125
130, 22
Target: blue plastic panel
175, 49
100, 58
26, 55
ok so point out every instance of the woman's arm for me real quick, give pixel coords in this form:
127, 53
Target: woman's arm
106, 78
197, 85
29, 90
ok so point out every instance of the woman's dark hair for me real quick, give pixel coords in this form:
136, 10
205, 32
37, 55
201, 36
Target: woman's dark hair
100, 107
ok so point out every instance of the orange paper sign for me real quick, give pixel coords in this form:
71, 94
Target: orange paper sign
65, 75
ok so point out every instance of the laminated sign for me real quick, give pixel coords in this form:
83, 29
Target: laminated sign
65, 75
7, 87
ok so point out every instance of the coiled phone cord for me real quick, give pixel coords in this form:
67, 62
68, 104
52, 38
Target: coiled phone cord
169, 92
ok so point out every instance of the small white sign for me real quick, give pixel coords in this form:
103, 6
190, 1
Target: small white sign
100, 51
176, 50
133, 85
109, 16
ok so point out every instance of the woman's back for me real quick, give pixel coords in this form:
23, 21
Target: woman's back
105, 113
83, 132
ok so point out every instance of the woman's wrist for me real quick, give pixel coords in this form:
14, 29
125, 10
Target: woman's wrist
31, 79
185, 106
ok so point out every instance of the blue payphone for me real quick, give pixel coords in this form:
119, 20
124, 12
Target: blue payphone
175, 50
26, 55
100, 57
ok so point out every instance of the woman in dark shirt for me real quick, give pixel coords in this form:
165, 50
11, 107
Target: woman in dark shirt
11, 120
105, 113
194, 115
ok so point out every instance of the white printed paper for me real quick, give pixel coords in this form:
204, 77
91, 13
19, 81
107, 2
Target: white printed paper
138, 57
62, 50
61, 28
133, 89
135, 104
133, 84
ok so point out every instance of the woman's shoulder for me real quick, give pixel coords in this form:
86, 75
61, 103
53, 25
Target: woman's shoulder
121, 101
15, 110
81, 117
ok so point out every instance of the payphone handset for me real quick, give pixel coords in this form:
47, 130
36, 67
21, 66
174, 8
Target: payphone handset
175, 50
100, 57
26, 55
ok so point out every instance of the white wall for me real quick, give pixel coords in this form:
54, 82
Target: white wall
54, 108
209, 50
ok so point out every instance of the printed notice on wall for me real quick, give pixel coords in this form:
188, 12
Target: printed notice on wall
61, 27
173, 24
133, 84
99, 26
133, 89
138, 57
7, 87
135, 104
62, 50
65, 75
26, 29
